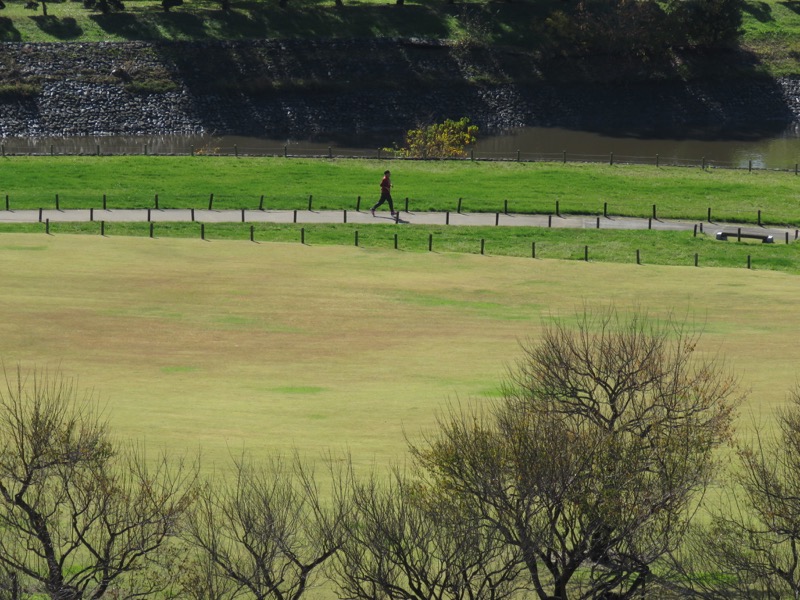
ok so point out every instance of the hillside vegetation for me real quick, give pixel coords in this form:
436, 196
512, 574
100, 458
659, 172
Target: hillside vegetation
691, 38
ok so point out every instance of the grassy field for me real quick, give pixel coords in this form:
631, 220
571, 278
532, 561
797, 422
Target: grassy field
770, 30
225, 345
183, 182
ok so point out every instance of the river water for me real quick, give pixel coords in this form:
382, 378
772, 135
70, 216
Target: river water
726, 149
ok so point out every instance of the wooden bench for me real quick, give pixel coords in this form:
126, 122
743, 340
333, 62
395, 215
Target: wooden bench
765, 239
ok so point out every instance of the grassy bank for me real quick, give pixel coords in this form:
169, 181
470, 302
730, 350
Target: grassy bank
769, 44
189, 182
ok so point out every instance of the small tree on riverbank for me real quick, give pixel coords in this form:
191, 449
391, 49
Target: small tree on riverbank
450, 139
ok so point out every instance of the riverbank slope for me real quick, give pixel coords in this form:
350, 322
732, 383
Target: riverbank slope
304, 88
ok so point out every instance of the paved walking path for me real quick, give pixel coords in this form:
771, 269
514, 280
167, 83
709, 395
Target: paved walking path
404, 218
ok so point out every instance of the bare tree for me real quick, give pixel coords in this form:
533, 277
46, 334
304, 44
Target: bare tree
266, 533
407, 542
751, 548
80, 517
593, 460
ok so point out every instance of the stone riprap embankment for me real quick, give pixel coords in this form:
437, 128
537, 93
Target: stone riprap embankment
303, 89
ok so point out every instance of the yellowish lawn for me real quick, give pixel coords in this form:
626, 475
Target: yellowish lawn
225, 345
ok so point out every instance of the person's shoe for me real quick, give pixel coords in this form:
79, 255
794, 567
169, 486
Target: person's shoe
372, 210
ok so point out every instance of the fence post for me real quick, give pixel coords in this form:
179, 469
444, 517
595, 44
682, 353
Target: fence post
236, 151
261, 203
310, 198
104, 202
57, 205
303, 235
358, 204
656, 160
47, 226
496, 219
586, 253
612, 159
7, 203
145, 149
695, 230
395, 241
759, 217
605, 210
558, 209
191, 212
505, 206
330, 152
344, 215
151, 229
549, 220
210, 201
650, 223
191, 149
98, 149
447, 217
285, 151
102, 228
654, 213
252, 233
564, 156
738, 234
533, 249
40, 215
430, 242
748, 261
704, 163
696, 259
598, 223
483, 243
709, 214
459, 206
749, 169
243, 217
202, 231
517, 155
91, 214
294, 216
156, 201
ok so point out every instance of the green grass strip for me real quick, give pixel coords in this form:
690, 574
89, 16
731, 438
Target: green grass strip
541, 188
679, 248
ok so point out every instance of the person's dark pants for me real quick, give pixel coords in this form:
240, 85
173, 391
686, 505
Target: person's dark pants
385, 197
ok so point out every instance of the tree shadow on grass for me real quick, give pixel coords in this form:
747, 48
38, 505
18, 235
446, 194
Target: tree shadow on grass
761, 11
128, 26
791, 5
8, 33
63, 29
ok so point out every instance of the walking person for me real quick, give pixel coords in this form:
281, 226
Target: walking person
386, 194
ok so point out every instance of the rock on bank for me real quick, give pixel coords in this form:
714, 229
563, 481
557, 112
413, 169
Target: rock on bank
280, 88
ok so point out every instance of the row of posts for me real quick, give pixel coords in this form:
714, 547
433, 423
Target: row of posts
396, 241
654, 216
